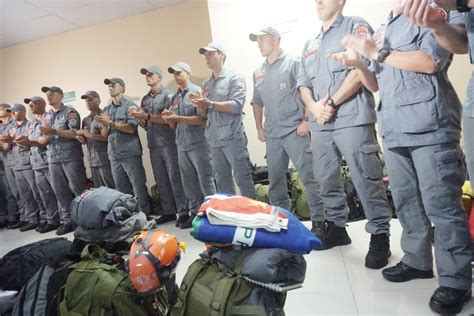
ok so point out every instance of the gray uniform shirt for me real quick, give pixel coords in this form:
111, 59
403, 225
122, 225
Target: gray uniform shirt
188, 137
325, 75
158, 135
21, 155
62, 149
122, 145
275, 89
38, 155
6, 155
97, 149
222, 128
469, 24
416, 109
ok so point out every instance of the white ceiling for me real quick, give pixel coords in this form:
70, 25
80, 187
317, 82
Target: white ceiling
26, 20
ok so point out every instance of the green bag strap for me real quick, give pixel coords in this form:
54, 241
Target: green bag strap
194, 271
226, 284
91, 252
222, 293
110, 282
248, 310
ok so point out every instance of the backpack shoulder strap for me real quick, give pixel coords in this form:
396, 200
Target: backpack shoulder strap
226, 284
194, 271
222, 293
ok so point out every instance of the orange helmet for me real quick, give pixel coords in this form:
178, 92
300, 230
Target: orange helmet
153, 257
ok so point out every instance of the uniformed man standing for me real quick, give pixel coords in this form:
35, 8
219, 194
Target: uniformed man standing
48, 217
343, 124
457, 38
193, 149
163, 150
91, 135
24, 175
223, 98
3, 197
10, 214
420, 123
124, 147
65, 156
286, 131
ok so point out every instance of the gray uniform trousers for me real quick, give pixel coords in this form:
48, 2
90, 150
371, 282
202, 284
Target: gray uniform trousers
3, 200
49, 214
426, 186
168, 179
68, 180
9, 210
102, 177
14, 190
129, 177
468, 133
298, 149
359, 147
28, 190
196, 175
233, 157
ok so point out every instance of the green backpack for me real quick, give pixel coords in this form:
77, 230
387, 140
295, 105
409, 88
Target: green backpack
211, 289
95, 288
299, 199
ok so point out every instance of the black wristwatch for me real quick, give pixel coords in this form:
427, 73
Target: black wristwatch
383, 54
330, 102
461, 6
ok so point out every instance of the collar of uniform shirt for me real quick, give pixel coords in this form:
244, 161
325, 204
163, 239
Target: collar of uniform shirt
59, 109
119, 102
21, 123
336, 22
151, 93
280, 56
185, 90
222, 74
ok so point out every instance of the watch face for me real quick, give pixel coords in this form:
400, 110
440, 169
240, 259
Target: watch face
330, 103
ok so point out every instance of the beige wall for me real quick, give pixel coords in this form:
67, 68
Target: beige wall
80, 60
1, 75
298, 21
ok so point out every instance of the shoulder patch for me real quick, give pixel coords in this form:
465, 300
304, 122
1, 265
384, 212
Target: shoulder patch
239, 80
362, 31
361, 28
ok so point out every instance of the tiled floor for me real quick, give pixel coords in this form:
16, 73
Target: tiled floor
337, 283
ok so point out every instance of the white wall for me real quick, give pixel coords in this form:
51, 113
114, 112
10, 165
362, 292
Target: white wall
232, 21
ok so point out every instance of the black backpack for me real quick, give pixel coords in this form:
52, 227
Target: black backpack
20, 264
40, 294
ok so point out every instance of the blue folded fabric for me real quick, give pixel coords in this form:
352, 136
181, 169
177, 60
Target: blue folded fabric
297, 238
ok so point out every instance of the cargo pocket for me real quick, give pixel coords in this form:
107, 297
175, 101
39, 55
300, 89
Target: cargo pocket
449, 171
450, 175
370, 161
417, 107
243, 160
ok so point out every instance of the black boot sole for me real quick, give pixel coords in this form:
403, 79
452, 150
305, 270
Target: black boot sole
450, 310
397, 279
377, 264
335, 243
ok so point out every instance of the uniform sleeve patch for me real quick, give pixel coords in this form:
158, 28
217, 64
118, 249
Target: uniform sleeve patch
239, 80
362, 31
73, 120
